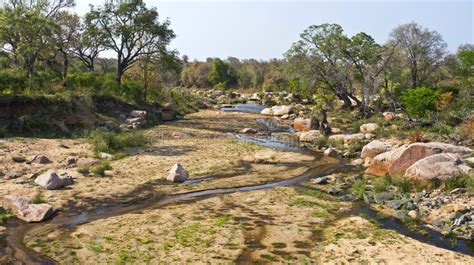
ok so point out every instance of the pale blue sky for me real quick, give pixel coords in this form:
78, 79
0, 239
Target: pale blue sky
266, 29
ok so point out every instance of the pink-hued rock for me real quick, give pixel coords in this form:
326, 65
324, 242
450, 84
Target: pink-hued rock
26, 211
396, 161
440, 166
302, 125
375, 148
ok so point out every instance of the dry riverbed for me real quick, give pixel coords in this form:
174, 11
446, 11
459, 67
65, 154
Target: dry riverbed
286, 224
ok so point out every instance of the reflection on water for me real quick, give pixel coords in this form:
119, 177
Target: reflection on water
269, 141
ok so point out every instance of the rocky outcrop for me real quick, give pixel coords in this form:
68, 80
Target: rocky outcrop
332, 152
26, 211
51, 181
347, 138
440, 166
310, 136
302, 125
373, 149
396, 161
177, 174
277, 110
39, 159
369, 128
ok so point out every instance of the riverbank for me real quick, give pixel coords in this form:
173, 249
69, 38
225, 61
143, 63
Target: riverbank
297, 223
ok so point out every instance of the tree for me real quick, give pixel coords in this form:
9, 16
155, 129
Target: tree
423, 50
65, 34
221, 73
318, 62
28, 36
131, 30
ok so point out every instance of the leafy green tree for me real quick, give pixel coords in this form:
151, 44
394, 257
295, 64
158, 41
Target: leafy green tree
221, 73
319, 61
420, 102
131, 30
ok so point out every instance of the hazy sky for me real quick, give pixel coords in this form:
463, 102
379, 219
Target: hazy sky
266, 29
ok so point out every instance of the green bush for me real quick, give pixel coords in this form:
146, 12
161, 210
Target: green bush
461, 181
109, 142
13, 81
101, 168
420, 102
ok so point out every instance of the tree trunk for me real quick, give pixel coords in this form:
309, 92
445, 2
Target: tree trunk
65, 68
118, 78
414, 75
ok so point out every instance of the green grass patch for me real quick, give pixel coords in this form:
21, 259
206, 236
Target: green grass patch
112, 143
321, 214
101, 168
4, 215
38, 198
462, 181
222, 220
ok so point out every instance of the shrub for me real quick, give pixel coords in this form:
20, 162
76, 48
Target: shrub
109, 142
358, 189
38, 199
462, 181
13, 81
420, 102
101, 168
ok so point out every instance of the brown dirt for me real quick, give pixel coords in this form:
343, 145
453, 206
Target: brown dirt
283, 225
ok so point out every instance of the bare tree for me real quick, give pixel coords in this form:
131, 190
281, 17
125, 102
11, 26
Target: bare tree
423, 50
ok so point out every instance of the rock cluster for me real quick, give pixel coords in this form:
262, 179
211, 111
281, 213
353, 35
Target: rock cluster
27, 211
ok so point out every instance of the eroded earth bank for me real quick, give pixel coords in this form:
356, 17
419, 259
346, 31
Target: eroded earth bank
243, 203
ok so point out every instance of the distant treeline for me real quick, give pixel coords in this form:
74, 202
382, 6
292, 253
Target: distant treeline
48, 49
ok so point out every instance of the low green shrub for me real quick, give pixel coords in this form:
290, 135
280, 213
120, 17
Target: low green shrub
101, 168
38, 198
420, 102
109, 142
462, 181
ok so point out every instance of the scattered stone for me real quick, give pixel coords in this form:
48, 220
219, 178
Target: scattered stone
332, 152
458, 191
14, 175
382, 197
267, 111
71, 161
333, 191
413, 214
106, 156
303, 125
388, 116
39, 159
281, 110
310, 136
369, 128
138, 114
469, 161
26, 211
438, 223
292, 116
51, 181
395, 204
177, 174
321, 180
374, 148
249, 131
401, 214
285, 117
368, 198
411, 206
